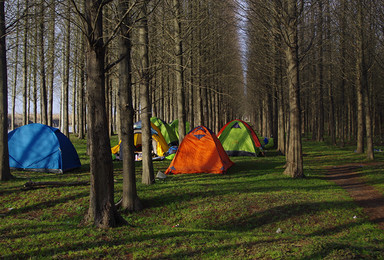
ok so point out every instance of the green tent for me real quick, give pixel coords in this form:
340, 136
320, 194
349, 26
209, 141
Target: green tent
166, 130
239, 139
175, 127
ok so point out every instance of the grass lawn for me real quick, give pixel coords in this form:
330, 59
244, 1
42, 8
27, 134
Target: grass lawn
200, 216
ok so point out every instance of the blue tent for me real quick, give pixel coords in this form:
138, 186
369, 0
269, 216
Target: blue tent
42, 148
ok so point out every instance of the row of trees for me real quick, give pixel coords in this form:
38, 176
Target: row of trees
331, 53
46, 66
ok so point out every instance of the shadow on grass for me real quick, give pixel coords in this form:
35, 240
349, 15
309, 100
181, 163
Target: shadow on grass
47, 204
215, 251
345, 251
120, 247
143, 240
279, 213
207, 191
25, 230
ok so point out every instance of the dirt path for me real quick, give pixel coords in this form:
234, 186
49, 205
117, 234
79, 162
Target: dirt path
366, 196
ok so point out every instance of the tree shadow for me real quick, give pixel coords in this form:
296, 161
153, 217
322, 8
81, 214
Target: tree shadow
47, 204
279, 213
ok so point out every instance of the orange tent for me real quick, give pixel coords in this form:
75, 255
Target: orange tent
200, 152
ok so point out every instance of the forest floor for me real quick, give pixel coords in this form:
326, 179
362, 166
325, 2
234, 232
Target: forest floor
252, 212
365, 195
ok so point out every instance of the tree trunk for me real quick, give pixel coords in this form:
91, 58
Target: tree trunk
360, 74
294, 155
343, 107
362, 88
102, 211
5, 173
74, 88
65, 86
331, 118
25, 70
320, 98
14, 87
51, 61
81, 89
43, 84
34, 65
130, 199
179, 70
146, 137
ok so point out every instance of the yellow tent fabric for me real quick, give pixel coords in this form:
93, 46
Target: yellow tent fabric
159, 144
116, 148
160, 137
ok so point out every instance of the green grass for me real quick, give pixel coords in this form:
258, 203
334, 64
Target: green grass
199, 216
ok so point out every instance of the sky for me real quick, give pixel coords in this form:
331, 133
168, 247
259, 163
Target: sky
242, 26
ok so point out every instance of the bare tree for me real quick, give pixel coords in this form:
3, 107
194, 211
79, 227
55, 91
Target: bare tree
102, 211
25, 67
294, 156
144, 78
43, 85
14, 87
51, 59
5, 173
179, 69
362, 68
66, 70
130, 199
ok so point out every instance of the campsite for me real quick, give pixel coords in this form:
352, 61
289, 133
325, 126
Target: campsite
200, 216
192, 129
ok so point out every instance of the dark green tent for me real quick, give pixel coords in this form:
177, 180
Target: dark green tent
166, 130
175, 127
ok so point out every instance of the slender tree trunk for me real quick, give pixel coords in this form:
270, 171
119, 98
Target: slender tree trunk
179, 80
81, 89
5, 173
130, 199
65, 86
51, 61
368, 126
278, 82
343, 107
320, 126
34, 67
281, 125
281, 140
192, 56
199, 90
14, 87
146, 137
102, 211
360, 80
332, 123
362, 86
294, 155
43, 84
74, 88
25, 70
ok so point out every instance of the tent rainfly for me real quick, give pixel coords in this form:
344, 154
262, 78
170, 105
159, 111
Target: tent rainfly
239, 139
38, 147
166, 130
200, 152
